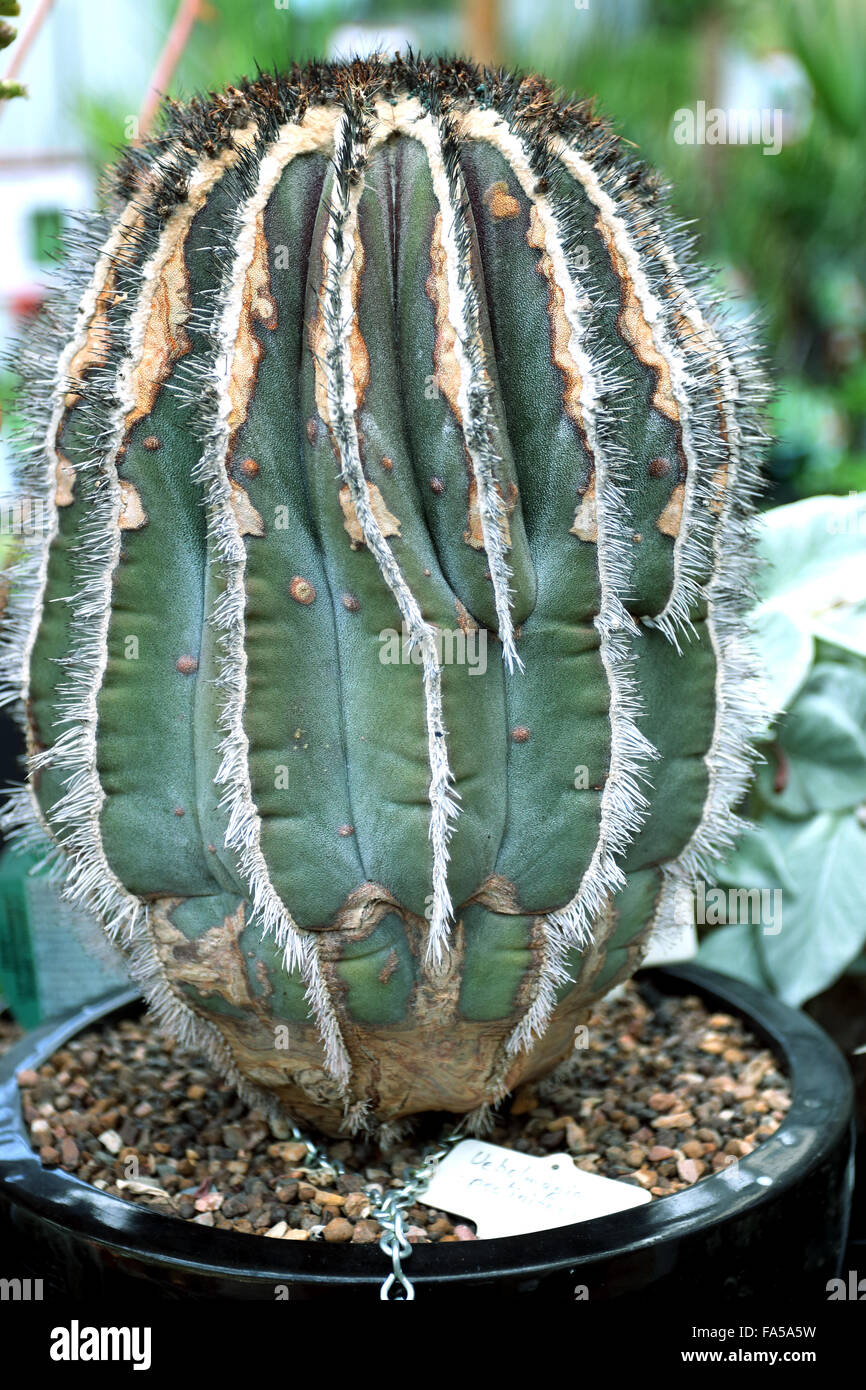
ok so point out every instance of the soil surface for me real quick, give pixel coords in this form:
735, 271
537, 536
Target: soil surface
661, 1093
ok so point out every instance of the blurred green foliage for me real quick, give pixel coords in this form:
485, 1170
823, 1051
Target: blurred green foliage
807, 804
785, 230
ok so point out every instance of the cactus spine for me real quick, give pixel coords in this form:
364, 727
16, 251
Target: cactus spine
363, 348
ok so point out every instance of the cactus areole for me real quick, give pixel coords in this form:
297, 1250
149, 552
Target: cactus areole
381, 656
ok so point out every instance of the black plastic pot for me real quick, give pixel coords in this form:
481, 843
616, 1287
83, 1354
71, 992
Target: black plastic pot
773, 1224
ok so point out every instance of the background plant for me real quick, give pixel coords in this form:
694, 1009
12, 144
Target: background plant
808, 802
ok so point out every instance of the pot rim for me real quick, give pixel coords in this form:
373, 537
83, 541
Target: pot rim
820, 1111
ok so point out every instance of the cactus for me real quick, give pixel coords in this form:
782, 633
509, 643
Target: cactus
382, 658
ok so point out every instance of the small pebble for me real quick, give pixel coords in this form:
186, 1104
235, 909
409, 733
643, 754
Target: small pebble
659, 1152
681, 1120
339, 1230
366, 1232
357, 1205
689, 1169
68, 1152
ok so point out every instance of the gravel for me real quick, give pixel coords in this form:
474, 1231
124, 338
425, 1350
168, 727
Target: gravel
663, 1093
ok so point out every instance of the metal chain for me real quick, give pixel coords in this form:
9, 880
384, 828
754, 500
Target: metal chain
388, 1208
317, 1160
390, 1212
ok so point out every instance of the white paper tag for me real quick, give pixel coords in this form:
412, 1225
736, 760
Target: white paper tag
507, 1193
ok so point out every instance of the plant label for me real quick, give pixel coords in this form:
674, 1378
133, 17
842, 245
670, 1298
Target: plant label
507, 1193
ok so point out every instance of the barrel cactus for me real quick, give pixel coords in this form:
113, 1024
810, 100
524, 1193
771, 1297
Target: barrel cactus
381, 656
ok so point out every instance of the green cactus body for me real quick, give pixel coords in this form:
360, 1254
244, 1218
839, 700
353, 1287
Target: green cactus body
382, 659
